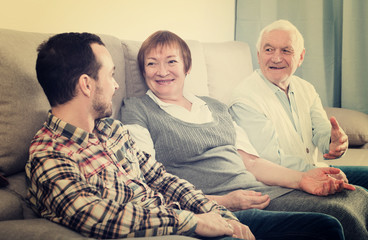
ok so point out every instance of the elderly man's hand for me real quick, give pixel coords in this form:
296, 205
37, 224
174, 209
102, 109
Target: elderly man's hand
339, 141
323, 181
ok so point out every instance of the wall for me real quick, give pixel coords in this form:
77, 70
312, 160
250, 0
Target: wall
203, 20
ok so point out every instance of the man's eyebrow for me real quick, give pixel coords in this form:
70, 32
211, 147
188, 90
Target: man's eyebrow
267, 45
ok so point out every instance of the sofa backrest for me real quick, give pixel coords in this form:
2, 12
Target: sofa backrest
217, 68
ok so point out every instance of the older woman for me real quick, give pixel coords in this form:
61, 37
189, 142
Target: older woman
195, 138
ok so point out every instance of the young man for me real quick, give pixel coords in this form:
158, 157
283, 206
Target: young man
85, 171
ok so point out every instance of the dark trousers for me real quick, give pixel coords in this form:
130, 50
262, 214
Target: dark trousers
289, 225
357, 175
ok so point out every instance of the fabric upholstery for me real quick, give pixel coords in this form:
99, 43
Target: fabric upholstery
234, 60
19, 94
354, 123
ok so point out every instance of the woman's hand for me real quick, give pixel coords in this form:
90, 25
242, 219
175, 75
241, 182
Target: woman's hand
242, 200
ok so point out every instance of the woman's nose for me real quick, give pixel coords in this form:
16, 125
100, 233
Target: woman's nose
162, 70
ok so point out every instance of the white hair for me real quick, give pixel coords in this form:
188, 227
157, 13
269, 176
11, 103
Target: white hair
282, 24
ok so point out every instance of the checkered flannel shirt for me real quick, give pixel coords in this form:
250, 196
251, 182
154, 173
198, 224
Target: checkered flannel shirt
101, 185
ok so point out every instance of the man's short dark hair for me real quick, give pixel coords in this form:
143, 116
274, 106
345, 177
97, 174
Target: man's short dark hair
61, 60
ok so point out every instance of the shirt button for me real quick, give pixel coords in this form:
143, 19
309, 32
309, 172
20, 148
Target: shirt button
307, 150
143, 199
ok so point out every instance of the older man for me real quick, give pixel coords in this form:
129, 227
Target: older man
282, 113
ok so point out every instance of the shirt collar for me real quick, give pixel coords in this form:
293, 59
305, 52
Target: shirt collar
196, 102
273, 87
74, 133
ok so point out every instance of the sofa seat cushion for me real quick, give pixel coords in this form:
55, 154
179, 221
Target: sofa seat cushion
36, 229
353, 157
42, 229
3, 181
10, 206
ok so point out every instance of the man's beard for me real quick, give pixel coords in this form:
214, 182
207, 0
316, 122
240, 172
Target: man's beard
102, 109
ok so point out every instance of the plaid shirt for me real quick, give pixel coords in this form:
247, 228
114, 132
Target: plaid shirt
102, 186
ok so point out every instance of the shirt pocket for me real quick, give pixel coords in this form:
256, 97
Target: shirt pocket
107, 183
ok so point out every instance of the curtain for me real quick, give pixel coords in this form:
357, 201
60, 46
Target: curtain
335, 35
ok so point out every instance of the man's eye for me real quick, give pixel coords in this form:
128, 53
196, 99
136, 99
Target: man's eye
287, 51
268, 49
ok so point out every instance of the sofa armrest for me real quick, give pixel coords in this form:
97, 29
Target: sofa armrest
354, 123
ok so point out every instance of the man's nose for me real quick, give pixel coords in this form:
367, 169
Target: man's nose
116, 85
277, 57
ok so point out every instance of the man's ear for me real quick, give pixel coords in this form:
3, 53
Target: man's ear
85, 85
301, 59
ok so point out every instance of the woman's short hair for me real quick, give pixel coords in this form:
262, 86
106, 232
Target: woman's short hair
162, 39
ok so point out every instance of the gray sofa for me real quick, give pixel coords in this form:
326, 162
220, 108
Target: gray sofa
217, 68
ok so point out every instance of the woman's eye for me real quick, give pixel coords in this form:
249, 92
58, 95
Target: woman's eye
172, 61
150, 64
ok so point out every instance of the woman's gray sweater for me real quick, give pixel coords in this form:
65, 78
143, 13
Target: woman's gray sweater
203, 154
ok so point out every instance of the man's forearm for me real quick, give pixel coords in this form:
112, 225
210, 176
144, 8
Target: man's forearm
270, 173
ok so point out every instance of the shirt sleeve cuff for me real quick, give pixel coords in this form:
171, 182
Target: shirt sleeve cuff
187, 222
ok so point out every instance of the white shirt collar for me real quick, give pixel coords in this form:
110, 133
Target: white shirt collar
196, 101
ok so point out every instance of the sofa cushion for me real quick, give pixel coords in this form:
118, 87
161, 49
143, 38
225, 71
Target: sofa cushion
113, 44
196, 82
3, 181
135, 84
352, 157
354, 123
42, 229
227, 64
37, 229
10, 206
23, 105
